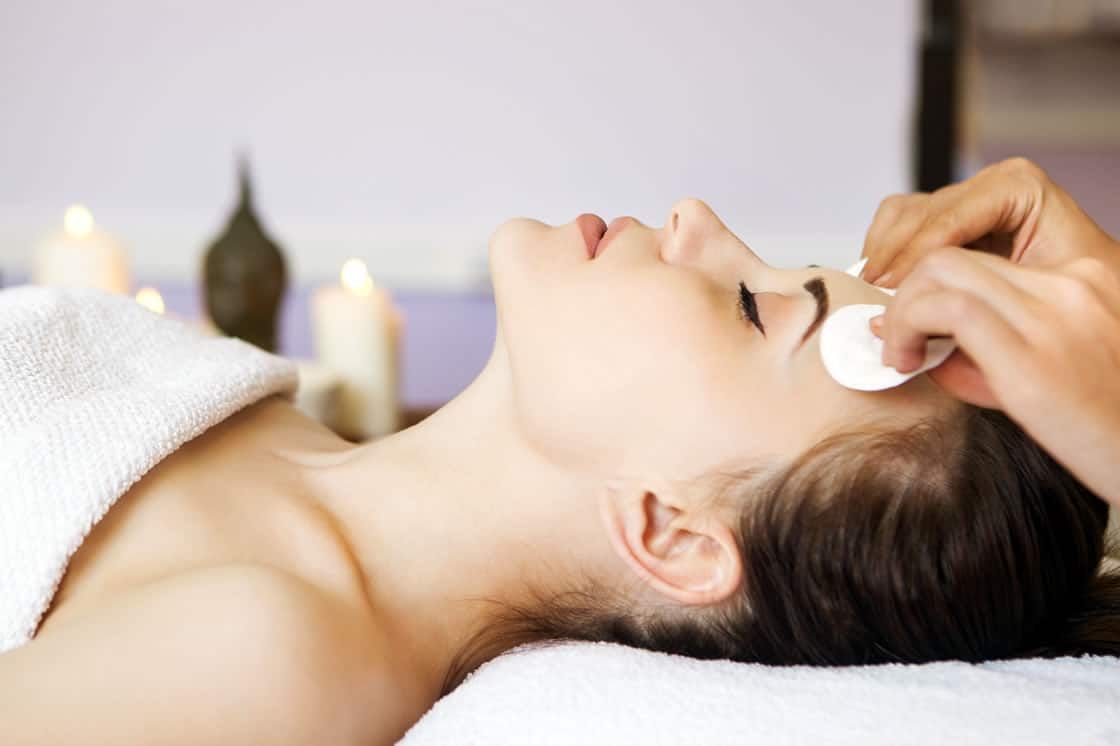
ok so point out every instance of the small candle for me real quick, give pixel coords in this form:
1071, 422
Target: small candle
81, 255
357, 335
150, 299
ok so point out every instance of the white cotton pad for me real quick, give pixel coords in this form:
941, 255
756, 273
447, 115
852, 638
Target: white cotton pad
853, 356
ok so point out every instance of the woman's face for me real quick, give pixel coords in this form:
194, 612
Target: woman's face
640, 360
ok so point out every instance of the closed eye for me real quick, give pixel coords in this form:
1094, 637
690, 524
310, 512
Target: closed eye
749, 308
815, 287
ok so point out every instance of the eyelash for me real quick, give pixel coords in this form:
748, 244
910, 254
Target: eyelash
749, 308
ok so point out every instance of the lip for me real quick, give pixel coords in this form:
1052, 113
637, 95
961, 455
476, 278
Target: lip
592, 227
616, 226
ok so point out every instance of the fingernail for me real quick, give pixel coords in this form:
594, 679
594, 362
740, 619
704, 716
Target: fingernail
883, 280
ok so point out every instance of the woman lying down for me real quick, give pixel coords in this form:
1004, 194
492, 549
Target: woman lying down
653, 455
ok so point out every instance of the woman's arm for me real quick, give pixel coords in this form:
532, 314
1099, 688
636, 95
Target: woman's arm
229, 655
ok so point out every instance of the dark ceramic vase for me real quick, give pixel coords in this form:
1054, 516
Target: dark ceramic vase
245, 276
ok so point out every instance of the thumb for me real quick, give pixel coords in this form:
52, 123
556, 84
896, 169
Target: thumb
960, 377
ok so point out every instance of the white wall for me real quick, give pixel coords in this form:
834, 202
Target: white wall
404, 132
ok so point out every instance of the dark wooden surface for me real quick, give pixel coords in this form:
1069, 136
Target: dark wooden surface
411, 415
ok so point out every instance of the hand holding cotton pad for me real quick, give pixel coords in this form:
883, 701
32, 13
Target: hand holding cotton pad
853, 355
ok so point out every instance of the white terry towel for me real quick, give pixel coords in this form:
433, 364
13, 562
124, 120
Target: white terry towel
94, 391
607, 694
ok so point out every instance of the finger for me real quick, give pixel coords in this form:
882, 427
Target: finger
891, 241
997, 200
994, 345
889, 212
903, 254
1000, 199
1006, 286
899, 266
983, 273
960, 377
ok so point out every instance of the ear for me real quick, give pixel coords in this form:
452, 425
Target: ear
688, 556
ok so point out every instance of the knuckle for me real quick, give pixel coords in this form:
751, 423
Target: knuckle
892, 206
1023, 168
940, 262
959, 308
1090, 268
1077, 291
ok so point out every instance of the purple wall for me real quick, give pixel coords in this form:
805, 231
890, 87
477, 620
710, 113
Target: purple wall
1090, 175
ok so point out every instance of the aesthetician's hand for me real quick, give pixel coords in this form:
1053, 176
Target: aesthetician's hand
1010, 209
1042, 344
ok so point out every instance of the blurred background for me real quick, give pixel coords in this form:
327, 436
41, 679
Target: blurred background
401, 134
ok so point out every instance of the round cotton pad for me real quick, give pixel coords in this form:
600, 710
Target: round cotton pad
853, 356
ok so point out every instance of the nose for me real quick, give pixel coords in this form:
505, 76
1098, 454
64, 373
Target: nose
694, 235
691, 226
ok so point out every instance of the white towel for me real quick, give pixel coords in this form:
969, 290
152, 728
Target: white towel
94, 391
603, 693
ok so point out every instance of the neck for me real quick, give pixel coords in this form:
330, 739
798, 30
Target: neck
457, 509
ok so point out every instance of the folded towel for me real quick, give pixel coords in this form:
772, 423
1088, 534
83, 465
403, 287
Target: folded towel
609, 694
94, 391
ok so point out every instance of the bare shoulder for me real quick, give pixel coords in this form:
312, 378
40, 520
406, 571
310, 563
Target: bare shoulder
230, 654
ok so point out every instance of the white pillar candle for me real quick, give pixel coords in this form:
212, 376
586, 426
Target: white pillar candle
81, 255
357, 333
318, 392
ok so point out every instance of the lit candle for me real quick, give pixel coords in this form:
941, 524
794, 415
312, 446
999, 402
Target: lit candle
150, 299
81, 255
357, 335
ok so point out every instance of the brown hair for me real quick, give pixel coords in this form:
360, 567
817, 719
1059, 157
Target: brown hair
956, 538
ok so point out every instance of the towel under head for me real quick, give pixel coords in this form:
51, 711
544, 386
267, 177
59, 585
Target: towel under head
608, 694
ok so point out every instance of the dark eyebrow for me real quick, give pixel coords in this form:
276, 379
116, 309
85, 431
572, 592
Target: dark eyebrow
817, 289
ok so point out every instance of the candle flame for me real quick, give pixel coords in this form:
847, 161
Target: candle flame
355, 277
78, 221
150, 299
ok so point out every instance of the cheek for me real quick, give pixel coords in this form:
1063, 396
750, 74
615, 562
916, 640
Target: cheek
586, 373
620, 380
